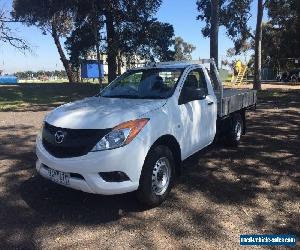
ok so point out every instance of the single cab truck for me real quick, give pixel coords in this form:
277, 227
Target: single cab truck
134, 135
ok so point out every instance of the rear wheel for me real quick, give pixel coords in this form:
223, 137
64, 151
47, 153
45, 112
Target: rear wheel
235, 130
157, 176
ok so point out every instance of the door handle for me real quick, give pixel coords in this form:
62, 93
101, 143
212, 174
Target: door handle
210, 103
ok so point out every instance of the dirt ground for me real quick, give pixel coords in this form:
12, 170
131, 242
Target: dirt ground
223, 192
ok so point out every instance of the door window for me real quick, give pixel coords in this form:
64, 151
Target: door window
196, 80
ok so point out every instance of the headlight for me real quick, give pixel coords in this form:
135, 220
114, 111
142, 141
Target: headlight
121, 135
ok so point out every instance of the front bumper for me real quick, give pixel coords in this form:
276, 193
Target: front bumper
128, 159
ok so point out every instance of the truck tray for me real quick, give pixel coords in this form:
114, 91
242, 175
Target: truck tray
236, 99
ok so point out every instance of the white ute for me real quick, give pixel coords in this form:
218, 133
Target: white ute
134, 135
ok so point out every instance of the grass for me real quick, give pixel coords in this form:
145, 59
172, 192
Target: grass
43, 81
31, 96
42, 96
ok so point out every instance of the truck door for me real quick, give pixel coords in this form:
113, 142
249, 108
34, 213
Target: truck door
198, 116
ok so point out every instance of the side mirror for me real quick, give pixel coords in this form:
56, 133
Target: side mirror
191, 94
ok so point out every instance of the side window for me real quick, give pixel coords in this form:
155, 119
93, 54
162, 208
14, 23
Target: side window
170, 77
196, 79
202, 82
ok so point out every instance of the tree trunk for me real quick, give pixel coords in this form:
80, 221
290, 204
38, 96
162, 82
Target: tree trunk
62, 55
258, 38
96, 27
214, 30
119, 63
112, 50
298, 28
97, 39
99, 64
76, 74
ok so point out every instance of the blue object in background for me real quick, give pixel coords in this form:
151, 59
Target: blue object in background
8, 80
89, 69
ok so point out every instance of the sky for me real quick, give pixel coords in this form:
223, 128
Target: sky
180, 13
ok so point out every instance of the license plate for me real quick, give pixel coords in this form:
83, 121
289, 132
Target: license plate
59, 177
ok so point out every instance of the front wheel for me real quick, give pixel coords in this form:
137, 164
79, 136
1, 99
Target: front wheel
157, 176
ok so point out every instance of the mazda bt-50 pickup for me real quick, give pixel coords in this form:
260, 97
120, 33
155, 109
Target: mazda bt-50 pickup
134, 135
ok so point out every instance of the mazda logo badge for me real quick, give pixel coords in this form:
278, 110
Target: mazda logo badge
59, 137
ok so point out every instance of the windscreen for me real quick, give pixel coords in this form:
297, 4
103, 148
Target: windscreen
154, 83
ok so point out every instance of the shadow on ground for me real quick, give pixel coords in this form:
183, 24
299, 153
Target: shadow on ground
222, 193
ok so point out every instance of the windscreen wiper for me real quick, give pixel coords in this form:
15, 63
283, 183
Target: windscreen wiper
122, 96
153, 97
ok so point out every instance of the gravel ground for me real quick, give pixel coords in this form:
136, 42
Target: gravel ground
224, 192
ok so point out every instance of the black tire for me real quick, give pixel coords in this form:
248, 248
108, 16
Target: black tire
234, 131
146, 193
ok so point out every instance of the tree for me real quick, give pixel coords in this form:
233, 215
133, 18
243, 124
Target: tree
129, 27
52, 17
130, 30
149, 41
214, 30
183, 50
276, 39
231, 52
79, 44
85, 36
281, 38
210, 12
258, 39
119, 14
7, 34
29, 75
233, 15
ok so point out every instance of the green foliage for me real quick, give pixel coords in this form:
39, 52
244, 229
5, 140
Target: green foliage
136, 32
234, 16
51, 16
117, 27
79, 43
183, 50
29, 75
281, 38
152, 40
44, 14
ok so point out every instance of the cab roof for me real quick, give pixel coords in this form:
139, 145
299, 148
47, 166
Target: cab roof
176, 64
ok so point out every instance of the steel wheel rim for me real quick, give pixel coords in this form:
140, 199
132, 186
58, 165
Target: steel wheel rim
161, 176
238, 130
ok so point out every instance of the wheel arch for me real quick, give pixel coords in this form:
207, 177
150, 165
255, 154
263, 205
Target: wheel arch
243, 114
224, 124
171, 142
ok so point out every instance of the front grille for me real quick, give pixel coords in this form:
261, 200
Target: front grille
76, 142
